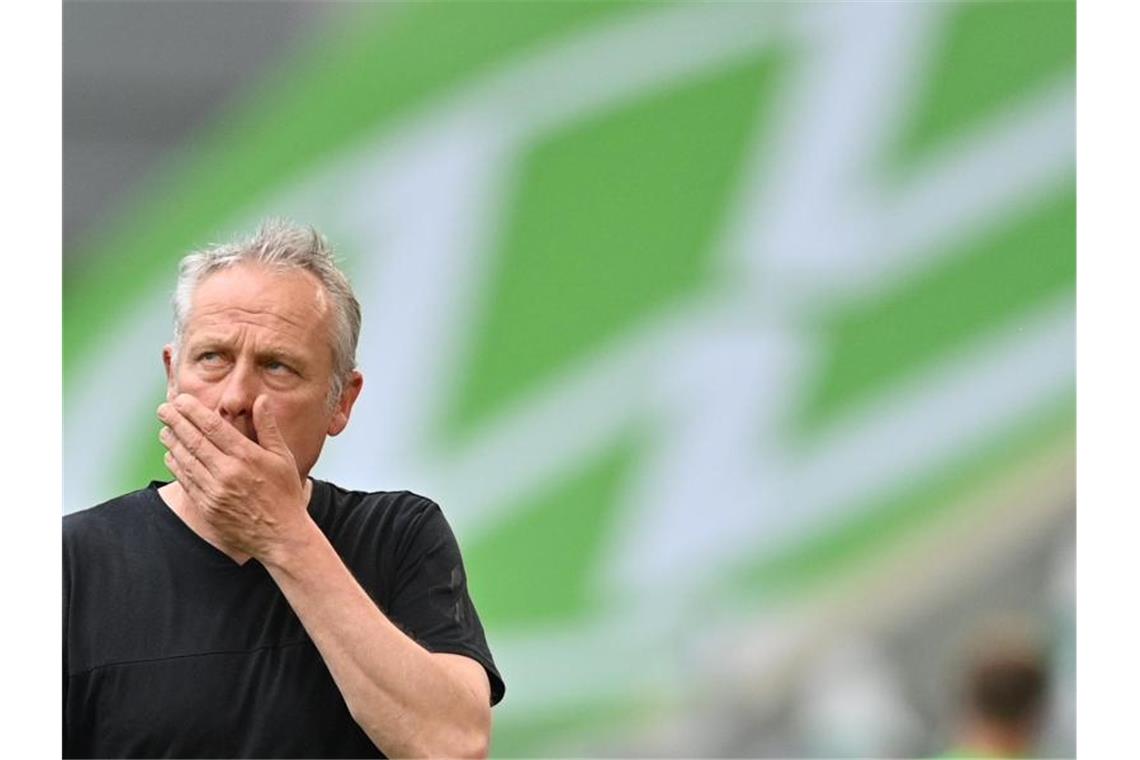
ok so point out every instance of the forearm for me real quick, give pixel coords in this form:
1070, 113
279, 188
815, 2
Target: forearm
398, 692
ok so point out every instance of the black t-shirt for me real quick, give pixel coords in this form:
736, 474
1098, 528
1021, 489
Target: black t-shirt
171, 649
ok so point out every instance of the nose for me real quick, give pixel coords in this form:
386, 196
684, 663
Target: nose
238, 394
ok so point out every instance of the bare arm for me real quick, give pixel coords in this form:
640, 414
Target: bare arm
410, 702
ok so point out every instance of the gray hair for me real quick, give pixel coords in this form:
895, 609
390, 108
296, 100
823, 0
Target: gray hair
285, 246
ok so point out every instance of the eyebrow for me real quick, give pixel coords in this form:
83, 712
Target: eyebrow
285, 356
213, 342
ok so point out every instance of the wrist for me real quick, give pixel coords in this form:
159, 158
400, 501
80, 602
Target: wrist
289, 554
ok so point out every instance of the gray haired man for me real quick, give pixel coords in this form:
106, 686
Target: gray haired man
244, 609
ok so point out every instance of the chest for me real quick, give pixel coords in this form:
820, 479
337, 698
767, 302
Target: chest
277, 701
169, 662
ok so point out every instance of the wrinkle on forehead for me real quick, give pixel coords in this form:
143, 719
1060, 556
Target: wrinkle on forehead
247, 285
292, 302
224, 314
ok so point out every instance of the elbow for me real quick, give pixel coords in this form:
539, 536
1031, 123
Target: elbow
476, 740
481, 749
475, 748
469, 739
473, 745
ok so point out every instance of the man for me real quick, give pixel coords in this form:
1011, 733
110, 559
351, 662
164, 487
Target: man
1005, 687
244, 609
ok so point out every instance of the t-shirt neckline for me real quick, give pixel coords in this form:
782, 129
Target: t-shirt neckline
182, 534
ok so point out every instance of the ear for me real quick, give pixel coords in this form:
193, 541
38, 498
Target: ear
343, 409
168, 364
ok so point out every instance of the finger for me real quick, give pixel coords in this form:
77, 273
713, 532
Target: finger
225, 437
196, 496
180, 474
188, 462
265, 423
182, 430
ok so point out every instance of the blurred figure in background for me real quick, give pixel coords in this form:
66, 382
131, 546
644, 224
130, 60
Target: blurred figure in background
852, 703
1004, 696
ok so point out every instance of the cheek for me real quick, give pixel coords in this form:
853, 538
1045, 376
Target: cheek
187, 382
303, 429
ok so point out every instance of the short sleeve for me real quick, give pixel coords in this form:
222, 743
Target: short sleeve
430, 600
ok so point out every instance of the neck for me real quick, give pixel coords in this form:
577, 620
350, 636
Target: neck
180, 503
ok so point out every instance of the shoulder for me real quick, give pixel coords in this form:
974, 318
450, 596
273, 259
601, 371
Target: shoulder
108, 518
389, 520
345, 498
102, 542
396, 509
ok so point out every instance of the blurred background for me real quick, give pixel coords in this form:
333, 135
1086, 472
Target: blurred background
735, 339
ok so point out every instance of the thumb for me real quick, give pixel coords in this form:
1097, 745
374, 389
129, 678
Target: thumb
268, 434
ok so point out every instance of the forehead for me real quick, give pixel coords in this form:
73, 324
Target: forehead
290, 304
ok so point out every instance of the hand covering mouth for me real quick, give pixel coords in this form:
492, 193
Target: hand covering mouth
245, 429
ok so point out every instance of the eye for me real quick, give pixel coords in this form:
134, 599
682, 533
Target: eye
209, 358
277, 367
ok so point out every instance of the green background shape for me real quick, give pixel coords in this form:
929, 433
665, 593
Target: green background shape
613, 220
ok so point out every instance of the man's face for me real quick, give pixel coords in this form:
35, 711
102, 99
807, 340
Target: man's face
251, 331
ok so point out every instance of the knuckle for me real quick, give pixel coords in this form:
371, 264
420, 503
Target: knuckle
210, 490
227, 474
195, 444
212, 425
